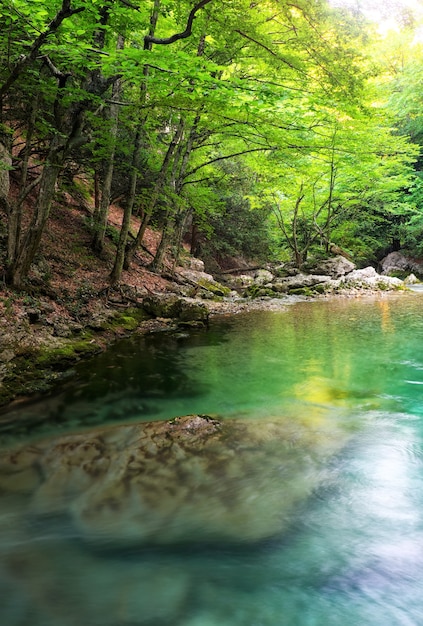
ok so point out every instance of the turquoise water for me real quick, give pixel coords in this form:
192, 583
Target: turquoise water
353, 550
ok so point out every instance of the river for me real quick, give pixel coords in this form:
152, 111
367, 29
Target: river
351, 552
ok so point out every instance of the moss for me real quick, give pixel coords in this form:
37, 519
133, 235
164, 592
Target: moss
301, 291
129, 320
216, 288
71, 351
320, 288
258, 291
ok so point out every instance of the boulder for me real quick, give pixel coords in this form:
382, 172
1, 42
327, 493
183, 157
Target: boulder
368, 278
335, 267
243, 280
174, 307
261, 277
398, 263
193, 311
196, 264
190, 480
162, 305
411, 279
205, 281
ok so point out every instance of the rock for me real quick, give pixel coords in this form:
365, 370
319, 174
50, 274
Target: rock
205, 281
335, 267
306, 280
261, 277
6, 355
196, 264
411, 279
170, 306
368, 278
242, 280
192, 263
193, 311
297, 284
87, 588
397, 263
162, 305
194, 479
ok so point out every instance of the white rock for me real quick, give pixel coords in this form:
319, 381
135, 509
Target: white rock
262, 277
411, 280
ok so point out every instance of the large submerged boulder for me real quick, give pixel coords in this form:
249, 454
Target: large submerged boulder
194, 479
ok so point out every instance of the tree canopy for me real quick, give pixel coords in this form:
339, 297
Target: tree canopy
269, 130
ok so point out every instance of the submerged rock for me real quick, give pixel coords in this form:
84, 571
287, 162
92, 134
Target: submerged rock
194, 479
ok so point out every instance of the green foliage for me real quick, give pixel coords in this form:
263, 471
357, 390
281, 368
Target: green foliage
271, 125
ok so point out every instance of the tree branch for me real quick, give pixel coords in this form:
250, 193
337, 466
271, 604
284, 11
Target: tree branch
24, 60
150, 39
228, 156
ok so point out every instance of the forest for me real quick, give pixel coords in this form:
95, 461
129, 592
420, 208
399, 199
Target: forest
210, 385
268, 130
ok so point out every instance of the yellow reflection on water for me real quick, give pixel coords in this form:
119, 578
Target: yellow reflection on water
386, 322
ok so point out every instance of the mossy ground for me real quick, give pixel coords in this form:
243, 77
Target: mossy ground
37, 370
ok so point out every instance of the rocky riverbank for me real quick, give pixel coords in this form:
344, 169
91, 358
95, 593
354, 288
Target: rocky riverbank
43, 334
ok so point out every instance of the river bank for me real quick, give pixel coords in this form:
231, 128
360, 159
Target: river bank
44, 335
68, 310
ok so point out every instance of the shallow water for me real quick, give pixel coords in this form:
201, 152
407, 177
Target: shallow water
351, 552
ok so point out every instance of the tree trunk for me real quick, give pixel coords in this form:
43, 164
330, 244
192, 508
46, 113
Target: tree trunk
157, 263
155, 194
116, 272
28, 246
100, 219
5, 166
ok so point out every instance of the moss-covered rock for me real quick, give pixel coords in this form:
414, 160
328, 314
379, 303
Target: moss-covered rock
193, 312
129, 320
175, 307
214, 287
300, 291
162, 305
258, 291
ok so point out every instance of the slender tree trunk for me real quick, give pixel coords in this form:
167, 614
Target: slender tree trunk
181, 225
28, 246
96, 194
100, 220
125, 253
5, 166
155, 194
15, 207
116, 272
157, 263
195, 237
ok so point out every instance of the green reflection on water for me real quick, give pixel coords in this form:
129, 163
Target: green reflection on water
353, 553
311, 358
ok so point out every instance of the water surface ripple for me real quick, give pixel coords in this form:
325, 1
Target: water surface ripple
351, 551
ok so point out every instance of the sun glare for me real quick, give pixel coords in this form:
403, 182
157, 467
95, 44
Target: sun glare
388, 14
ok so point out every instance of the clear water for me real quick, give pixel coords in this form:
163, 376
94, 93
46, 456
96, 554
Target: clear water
353, 552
